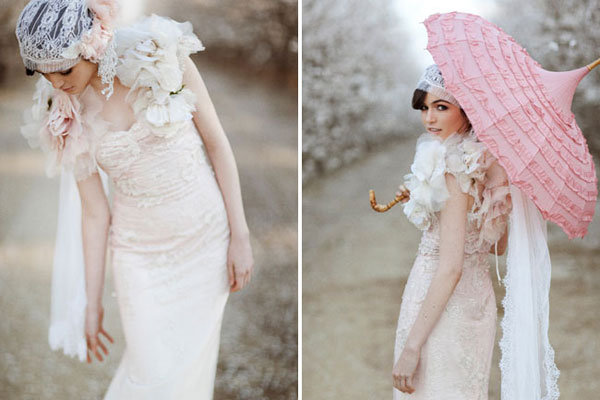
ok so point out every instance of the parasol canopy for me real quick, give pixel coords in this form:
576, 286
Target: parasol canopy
521, 112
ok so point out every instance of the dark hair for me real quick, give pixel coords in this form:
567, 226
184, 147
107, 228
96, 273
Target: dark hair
29, 72
418, 99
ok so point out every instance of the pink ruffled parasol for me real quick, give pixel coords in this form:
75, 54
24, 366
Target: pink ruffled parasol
522, 113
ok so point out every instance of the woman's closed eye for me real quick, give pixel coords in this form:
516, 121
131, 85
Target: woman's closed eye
67, 72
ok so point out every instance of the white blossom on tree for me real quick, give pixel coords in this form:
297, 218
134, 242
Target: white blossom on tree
355, 68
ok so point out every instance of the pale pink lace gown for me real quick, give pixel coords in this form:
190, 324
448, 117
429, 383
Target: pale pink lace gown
169, 231
455, 360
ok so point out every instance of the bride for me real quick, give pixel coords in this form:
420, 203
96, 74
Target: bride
131, 104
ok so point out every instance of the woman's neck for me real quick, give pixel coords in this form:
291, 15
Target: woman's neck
96, 83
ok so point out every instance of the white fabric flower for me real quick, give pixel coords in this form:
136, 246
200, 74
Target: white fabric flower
427, 183
34, 117
459, 154
152, 58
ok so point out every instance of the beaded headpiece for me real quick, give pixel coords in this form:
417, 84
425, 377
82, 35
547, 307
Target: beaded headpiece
432, 82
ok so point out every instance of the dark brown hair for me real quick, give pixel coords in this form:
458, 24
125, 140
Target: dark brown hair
29, 72
418, 99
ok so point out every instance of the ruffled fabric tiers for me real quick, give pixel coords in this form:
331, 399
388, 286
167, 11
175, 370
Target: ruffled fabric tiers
463, 156
527, 125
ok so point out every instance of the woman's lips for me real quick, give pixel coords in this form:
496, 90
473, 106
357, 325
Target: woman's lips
434, 130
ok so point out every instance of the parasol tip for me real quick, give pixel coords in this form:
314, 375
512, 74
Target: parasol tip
593, 65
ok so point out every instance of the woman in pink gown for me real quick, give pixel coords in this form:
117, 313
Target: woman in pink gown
459, 197
132, 104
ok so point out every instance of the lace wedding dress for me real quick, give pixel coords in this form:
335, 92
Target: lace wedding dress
169, 231
455, 360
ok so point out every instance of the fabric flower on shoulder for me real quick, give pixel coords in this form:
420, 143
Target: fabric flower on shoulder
55, 125
152, 58
465, 159
35, 116
426, 182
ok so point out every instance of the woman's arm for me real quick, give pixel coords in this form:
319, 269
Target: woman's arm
240, 261
453, 220
95, 220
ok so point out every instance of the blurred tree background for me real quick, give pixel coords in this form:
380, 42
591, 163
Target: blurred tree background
261, 34
354, 92
359, 71
10, 62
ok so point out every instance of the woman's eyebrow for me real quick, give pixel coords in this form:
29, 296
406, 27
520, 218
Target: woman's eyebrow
440, 100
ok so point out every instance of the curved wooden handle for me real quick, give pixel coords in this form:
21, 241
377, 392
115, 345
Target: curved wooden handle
593, 65
384, 207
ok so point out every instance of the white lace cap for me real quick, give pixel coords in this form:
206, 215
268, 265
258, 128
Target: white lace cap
47, 28
432, 82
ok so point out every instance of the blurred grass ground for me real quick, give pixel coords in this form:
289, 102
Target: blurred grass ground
355, 266
258, 355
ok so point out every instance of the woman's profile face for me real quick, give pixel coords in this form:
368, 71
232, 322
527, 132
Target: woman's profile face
441, 117
75, 79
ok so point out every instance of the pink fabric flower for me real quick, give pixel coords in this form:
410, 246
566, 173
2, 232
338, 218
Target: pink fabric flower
106, 10
94, 42
64, 126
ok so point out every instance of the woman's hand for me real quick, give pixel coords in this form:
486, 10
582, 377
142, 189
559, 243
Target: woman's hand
404, 370
93, 329
239, 262
403, 191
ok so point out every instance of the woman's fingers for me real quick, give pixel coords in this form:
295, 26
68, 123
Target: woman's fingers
230, 274
102, 346
240, 280
410, 386
234, 283
404, 384
94, 343
93, 347
110, 339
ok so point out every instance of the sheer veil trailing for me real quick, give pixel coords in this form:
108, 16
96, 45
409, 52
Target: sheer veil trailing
68, 299
527, 363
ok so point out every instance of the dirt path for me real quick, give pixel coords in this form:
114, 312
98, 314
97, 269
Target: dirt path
355, 265
258, 358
